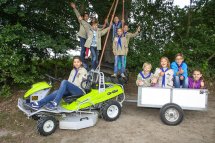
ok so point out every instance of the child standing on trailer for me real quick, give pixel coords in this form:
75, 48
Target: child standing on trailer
144, 77
94, 40
72, 86
196, 82
120, 49
82, 34
180, 71
164, 75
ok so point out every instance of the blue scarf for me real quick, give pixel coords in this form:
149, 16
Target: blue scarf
115, 27
179, 66
144, 76
119, 42
125, 33
164, 77
76, 72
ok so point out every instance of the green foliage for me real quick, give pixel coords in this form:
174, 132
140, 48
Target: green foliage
5, 91
30, 29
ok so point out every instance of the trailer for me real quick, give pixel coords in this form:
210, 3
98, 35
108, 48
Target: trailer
172, 101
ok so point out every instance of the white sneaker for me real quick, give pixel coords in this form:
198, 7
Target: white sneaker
114, 75
122, 75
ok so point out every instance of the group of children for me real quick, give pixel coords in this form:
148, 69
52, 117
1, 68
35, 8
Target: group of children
170, 75
90, 38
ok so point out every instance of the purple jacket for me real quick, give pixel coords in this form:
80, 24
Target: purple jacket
194, 84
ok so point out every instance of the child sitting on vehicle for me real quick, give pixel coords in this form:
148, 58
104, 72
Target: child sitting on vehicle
120, 49
163, 75
144, 77
180, 71
196, 82
72, 86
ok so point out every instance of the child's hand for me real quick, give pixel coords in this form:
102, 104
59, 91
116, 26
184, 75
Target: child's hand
154, 80
202, 83
181, 77
72, 5
80, 18
140, 83
162, 73
114, 53
181, 71
138, 29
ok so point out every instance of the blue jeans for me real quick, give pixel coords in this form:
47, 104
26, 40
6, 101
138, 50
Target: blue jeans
122, 59
83, 50
66, 88
94, 53
178, 82
120, 64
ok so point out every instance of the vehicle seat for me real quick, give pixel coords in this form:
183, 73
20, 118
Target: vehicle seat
70, 98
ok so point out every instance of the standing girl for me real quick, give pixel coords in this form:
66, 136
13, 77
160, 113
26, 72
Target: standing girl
120, 49
164, 75
72, 86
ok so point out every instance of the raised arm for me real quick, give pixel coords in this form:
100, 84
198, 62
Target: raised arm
132, 35
75, 10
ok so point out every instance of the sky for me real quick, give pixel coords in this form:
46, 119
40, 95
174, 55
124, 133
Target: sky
181, 3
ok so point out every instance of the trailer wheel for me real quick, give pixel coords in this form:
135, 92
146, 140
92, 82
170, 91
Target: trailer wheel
46, 125
171, 114
111, 110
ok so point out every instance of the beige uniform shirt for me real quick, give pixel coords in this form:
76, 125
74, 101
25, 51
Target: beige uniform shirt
146, 81
120, 50
76, 77
82, 31
168, 78
100, 33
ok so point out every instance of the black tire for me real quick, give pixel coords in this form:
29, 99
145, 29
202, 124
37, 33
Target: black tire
35, 117
171, 114
46, 125
111, 106
120, 98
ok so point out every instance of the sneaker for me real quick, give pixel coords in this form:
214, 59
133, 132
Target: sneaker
122, 75
33, 105
51, 105
114, 75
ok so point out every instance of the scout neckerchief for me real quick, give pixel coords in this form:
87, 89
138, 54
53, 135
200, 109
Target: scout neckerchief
164, 76
119, 42
144, 76
180, 66
115, 27
76, 72
125, 33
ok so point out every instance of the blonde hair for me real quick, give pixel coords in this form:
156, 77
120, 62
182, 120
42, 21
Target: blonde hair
168, 63
147, 64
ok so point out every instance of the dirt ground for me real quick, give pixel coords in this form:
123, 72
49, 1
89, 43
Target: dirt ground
135, 125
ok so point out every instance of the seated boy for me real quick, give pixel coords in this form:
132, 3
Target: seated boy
144, 77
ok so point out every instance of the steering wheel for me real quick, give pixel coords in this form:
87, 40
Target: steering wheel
87, 83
